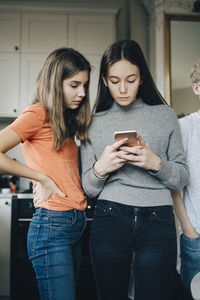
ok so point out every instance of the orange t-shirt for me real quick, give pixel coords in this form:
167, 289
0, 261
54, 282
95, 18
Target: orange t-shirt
61, 166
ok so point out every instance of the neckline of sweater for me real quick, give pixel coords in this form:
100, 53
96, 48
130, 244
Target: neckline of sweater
132, 106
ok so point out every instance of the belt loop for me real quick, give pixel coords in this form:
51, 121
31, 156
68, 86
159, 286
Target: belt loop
40, 212
136, 210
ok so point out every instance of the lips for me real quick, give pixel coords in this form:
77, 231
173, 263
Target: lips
77, 102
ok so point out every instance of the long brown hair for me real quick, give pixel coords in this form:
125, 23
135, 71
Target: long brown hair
65, 123
131, 51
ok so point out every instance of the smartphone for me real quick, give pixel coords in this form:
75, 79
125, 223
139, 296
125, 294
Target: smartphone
130, 134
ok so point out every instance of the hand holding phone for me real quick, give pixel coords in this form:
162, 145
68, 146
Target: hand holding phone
130, 134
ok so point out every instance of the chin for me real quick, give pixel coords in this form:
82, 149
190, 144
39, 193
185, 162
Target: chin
73, 107
125, 103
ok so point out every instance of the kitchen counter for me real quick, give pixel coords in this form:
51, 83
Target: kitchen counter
19, 195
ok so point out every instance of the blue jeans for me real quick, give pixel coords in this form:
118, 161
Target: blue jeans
120, 231
54, 248
190, 259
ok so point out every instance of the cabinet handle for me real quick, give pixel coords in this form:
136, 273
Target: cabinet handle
6, 203
16, 48
14, 110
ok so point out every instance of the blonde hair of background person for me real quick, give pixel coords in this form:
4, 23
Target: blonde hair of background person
187, 208
46, 130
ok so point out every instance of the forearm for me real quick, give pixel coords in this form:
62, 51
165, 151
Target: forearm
12, 167
182, 215
92, 184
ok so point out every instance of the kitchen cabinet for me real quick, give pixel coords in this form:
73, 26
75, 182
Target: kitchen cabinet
42, 33
5, 237
9, 63
30, 34
9, 83
9, 32
30, 66
91, 34
37, 37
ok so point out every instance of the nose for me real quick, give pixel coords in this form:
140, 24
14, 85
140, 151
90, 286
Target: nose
81, 91
122, 88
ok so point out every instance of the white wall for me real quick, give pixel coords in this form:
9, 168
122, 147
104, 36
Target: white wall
139, 25
185, 50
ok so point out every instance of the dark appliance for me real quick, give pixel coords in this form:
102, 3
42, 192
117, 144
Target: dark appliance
23, 282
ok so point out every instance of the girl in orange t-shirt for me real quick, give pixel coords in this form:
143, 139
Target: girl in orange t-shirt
46, 130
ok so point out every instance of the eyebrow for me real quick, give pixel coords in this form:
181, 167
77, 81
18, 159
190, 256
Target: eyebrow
113, 76
76, 81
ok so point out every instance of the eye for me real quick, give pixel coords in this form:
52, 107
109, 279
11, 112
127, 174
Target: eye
130, 81
114, 82
74, 86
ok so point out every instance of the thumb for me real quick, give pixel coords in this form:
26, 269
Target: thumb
60, 193
141, 141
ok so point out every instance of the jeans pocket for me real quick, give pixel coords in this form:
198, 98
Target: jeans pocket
101, 210
62, 222
65, 229
32, 239
163, 215
190, 238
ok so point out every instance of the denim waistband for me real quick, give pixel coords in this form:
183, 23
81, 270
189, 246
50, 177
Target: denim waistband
129, 209
44, 211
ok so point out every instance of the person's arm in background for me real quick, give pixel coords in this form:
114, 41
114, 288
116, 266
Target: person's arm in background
8, 140
181, 213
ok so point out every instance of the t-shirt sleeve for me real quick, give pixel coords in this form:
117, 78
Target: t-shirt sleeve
184, 126
29, 121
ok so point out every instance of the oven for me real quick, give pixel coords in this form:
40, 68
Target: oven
23, 281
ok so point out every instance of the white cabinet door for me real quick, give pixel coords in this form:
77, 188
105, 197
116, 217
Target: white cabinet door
43, 33
9, 84
5, 234
95, 63
9, 32
91, 35
30, 67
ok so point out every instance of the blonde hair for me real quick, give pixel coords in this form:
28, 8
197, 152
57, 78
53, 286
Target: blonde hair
59, 65
195, 72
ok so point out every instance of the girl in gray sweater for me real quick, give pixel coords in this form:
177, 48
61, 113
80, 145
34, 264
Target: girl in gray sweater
133, 215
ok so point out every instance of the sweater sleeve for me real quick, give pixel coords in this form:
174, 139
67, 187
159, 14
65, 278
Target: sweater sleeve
92, 185
174, 173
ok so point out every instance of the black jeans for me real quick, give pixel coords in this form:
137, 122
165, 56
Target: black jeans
120, 231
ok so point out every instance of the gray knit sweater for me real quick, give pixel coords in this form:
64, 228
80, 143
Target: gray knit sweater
132, 185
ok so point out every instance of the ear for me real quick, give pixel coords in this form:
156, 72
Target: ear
196, 88
104, 81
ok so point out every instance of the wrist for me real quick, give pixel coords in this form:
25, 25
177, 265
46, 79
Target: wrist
42, 178
158, 164
98, 172
191, 233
